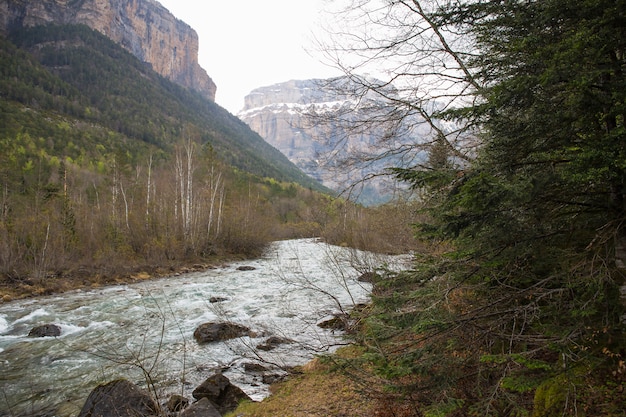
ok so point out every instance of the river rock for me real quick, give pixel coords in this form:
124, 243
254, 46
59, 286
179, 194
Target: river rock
202, 408
251, 367
216, 332
219, 391
45, 330
270, 379
246, 268
273, 342
338, 322
119, 398
369, 277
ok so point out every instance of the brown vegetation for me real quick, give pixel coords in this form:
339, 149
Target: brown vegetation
318, 389
383, 229
66, 226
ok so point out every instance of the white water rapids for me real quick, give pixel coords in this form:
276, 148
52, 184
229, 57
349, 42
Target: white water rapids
144, 331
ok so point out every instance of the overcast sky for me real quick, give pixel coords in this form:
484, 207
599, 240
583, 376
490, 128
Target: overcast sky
246, 44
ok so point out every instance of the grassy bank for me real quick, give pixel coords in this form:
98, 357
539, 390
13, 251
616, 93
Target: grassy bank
320, 388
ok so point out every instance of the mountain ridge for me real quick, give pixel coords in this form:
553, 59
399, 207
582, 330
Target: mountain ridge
89, 78
145, 28
308, 121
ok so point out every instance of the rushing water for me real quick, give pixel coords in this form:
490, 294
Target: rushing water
144, 332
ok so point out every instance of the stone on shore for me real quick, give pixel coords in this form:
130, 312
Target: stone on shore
119, 398
221, 393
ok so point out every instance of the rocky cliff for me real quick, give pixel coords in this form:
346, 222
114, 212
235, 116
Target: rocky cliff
143, 27
327, 151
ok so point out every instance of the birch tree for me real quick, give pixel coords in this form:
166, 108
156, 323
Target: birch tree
215, 190
184, 169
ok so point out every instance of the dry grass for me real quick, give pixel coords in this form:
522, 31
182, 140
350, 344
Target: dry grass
316, 391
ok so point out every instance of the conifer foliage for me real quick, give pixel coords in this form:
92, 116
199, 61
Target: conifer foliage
522, 315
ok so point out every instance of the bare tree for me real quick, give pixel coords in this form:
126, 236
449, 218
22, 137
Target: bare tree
184, 176
215, 189
149, 187
405, 73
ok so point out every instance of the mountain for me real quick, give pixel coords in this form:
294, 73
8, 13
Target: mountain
75, 75
107, 168
299, 118
143, 27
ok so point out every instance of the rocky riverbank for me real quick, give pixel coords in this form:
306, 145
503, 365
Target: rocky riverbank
317, 389
89, 278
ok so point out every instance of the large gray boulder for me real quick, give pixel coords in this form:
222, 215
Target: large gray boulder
221, 393
119, 398
217, 332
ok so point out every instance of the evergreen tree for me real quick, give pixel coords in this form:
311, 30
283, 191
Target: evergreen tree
525, 314
544, 202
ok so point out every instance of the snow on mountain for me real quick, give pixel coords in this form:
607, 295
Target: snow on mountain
299, 118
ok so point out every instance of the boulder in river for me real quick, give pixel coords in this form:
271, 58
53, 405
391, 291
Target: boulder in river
119, 398
217, 332
273, 342
254, 367
338, 322
45, 330
202, 408
221, 393
246, 268
369, 277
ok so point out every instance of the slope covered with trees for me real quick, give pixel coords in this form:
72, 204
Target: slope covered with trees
75, 71
108, 169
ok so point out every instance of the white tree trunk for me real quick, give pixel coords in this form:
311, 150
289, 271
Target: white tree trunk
125, 206
148, 190
215, 183
184, 173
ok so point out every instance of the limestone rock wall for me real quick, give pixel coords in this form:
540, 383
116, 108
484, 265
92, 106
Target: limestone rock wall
324, 151
143, 27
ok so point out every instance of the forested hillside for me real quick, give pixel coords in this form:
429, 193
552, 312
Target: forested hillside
108, 169
76, 72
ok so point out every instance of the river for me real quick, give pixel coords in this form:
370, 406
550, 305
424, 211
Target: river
144, 331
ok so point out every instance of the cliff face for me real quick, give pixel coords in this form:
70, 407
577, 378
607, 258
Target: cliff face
143, 27
276, 114
325, 151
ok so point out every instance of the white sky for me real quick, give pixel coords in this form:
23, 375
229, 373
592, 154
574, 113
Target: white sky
245, 44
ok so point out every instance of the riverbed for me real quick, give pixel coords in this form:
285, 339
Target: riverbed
144, 331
